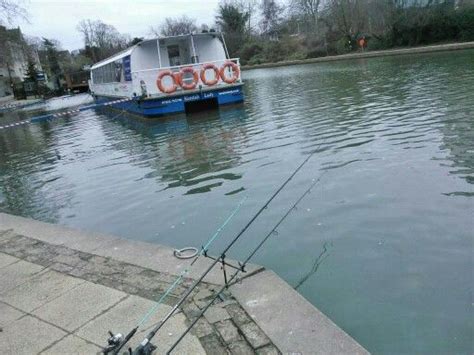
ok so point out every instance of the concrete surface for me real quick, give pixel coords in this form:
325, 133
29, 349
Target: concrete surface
61, 290
294, 326
53, 313
152, 256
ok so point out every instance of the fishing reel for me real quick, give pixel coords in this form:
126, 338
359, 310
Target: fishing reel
145, 348
114, 341
117, 341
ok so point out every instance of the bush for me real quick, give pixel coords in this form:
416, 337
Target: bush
343, 46
438, 25
249, 51
465, 24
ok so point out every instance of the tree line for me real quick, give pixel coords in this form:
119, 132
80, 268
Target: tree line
300, 29
262, 31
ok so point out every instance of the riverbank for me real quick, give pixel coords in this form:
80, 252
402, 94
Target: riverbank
49, 275
367, 54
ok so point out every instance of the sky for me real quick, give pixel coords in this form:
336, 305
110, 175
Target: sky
58, 19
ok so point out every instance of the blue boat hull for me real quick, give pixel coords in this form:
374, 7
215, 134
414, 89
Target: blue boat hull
155, 107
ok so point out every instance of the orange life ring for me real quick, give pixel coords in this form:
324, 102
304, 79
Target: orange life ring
195, 81
235, 71
159, 83
216, 74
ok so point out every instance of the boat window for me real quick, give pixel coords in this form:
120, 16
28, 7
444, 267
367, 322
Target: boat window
109, 73
173, 55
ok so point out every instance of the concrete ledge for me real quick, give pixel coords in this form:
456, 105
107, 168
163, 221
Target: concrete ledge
266, 312
151, 256
293, 324
368, 54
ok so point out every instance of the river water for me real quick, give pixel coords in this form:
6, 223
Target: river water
384, 243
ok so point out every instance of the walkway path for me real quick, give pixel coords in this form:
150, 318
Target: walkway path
61, 290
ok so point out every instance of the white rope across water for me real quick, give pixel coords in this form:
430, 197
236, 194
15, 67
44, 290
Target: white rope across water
9, 107
16, 124
62, 114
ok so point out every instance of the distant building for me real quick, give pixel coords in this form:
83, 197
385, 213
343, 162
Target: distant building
14, 58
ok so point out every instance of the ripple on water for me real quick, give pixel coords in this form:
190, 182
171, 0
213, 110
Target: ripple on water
394, 137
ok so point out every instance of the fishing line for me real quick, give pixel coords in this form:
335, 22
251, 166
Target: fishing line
256, 249
185, 271
317, 263
146, 345
119, 343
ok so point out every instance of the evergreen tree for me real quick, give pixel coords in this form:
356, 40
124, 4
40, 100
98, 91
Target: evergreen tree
31, 72
232, 20
53, 62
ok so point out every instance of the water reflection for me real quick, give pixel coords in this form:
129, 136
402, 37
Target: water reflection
182, 150
36, 189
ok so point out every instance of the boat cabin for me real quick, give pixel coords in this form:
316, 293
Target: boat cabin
167, 66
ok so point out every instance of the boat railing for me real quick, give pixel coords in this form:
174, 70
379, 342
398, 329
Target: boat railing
147, 78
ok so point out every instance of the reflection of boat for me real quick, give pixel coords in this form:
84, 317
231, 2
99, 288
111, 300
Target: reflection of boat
169, 75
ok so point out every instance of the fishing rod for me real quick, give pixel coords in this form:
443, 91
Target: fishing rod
116, 341
255, 250
146, 347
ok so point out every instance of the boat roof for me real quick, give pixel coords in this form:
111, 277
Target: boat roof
129, 50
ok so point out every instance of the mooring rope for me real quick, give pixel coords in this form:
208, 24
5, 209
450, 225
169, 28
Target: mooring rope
77, 110
11, 107
50, 116
180, 253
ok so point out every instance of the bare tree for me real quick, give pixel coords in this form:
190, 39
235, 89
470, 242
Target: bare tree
308, 10
100, 39
175, 26
10, 10
271, 16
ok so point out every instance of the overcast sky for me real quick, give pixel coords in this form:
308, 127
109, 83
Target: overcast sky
58, 19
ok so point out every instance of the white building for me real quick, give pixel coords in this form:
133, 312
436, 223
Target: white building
13, 59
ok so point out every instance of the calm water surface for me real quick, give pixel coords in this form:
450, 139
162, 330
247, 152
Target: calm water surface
390, 223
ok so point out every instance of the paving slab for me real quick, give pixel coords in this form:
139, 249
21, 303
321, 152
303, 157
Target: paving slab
254, 335
124, 314
17, 273
72, 345
39, 290
228, 331
297, 327
241, 348
28, 335
79, 305
216, 314
169, 333
105, 283
6, 260
8, 314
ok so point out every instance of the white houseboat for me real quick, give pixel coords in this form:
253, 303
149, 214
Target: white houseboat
169, 75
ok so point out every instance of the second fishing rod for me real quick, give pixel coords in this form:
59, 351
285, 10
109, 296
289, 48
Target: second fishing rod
145, 346
249, 257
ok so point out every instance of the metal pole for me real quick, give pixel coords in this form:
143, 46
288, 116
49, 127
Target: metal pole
225, 46
193, 59
159, 52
